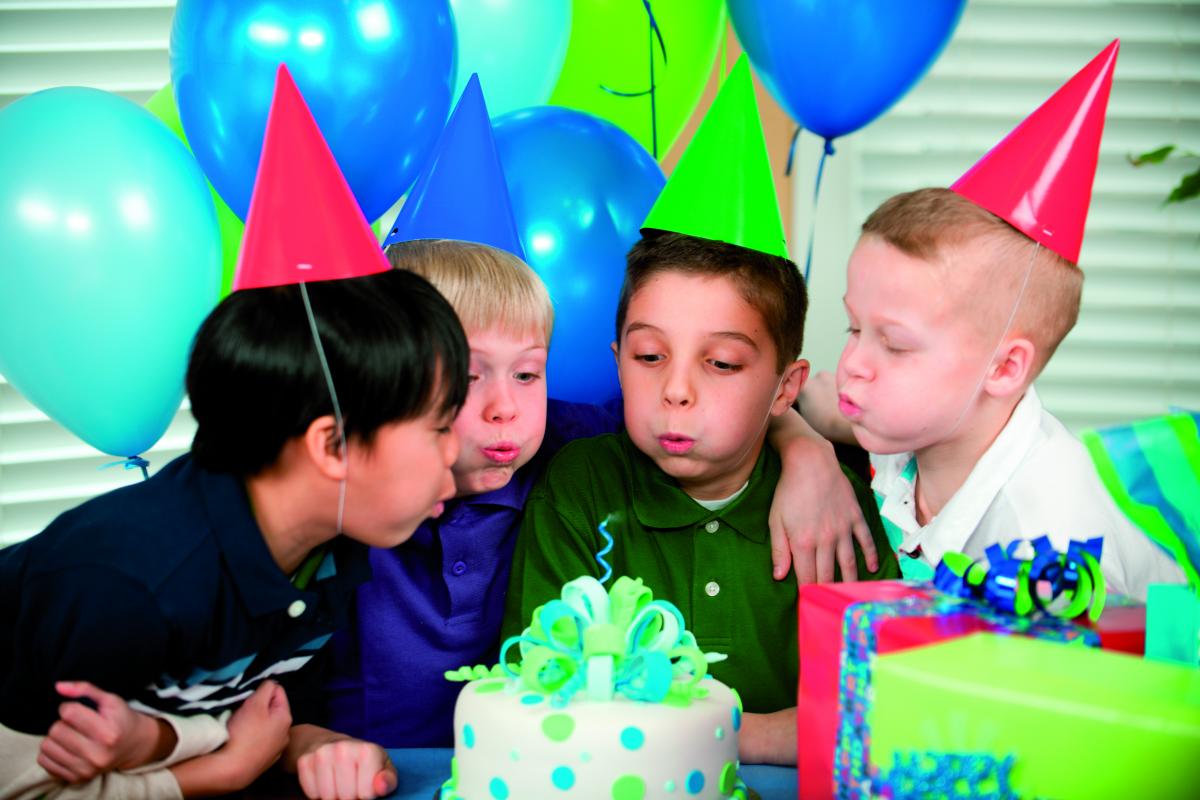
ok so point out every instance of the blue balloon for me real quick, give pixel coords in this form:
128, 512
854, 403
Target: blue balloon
580, 188
376, 75
837, 65
516, 46
111, 259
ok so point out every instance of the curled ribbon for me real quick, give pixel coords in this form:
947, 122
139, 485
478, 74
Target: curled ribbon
1019, 586
619, 641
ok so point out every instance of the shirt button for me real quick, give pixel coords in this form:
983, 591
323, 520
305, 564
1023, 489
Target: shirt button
712, 588
712, 526
459, 567
296, 608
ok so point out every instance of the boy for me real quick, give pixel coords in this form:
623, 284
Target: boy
185, 593
436, 603
954, 311
710, 323
175, 593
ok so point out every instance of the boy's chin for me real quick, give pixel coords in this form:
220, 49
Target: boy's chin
487, 479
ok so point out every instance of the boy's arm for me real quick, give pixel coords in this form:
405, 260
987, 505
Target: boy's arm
768, 738
815, 517
554, 546
331, 764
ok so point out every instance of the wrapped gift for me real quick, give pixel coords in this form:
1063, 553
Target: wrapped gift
842, 627
1173, 624
1009, 716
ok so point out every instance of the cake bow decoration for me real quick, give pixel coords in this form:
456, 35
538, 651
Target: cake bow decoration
608, 642
1013, 585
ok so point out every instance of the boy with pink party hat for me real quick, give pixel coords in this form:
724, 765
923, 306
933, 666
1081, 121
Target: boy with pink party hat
323, 389
957, 298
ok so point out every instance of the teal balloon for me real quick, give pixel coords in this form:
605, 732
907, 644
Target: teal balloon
516, 46
111, 259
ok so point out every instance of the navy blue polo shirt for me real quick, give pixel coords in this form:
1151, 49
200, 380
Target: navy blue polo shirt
435, 603
164, 593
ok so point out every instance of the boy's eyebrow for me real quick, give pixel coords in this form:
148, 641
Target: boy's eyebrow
633, 327
737, 336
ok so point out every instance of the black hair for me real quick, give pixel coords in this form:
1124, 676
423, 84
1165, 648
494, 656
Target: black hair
772, 285
395, 350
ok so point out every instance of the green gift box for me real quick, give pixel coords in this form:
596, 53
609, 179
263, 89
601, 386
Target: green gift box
1045, 719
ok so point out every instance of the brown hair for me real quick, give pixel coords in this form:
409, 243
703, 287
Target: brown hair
488, 287
940, 225
770, 284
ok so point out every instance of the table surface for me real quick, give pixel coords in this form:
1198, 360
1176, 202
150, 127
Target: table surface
422, 772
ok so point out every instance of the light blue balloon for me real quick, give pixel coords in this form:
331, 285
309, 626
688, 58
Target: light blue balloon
517, 47
376, 75
580, 188
111, 259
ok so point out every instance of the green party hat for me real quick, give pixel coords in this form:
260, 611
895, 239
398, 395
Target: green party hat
722, 187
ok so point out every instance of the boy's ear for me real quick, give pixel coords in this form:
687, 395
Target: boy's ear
1012, 370
616, 351
323, 447
794, 376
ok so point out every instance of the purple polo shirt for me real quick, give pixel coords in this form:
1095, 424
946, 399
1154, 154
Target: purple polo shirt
435, 603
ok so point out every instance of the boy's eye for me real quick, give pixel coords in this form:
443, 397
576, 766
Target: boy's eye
526, 377
853, 331
649, 358
471, 378
724, 366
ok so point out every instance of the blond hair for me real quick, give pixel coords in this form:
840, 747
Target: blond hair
489, 288
940, 226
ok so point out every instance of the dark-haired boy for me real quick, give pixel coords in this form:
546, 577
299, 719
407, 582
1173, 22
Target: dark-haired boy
182, 594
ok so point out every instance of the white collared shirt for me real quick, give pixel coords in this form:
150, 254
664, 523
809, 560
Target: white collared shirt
1035, 478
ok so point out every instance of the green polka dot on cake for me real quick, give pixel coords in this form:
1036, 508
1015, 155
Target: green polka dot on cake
719, 733
669, 787
628, 787
498, 789
531, 699
486, 687
695, 781
632, 738
728, 777
515, 755
563, 778
558, 727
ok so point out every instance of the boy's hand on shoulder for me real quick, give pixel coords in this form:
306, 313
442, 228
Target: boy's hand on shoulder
332, 766
97, 732
815, 516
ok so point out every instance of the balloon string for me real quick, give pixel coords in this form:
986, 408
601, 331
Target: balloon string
787, 171
812, 223
655, 32
131, 462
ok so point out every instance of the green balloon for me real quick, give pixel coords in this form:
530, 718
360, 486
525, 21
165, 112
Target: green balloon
162, 105
609, 49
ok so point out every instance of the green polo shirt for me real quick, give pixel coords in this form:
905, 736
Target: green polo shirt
714, 565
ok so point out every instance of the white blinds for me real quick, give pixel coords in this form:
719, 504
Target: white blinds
1136, 349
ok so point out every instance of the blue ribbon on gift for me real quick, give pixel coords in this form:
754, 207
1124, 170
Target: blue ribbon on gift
1013, 585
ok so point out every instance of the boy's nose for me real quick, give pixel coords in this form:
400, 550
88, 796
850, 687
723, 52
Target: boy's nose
501, 407
677, 391
852, 364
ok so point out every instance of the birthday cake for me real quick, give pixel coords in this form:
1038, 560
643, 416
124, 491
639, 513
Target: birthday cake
611, 699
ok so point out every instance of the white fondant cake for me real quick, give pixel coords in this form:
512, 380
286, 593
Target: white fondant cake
610, 700
511, 743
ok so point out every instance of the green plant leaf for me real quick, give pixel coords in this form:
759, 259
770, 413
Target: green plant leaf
1189, 187
1152, 156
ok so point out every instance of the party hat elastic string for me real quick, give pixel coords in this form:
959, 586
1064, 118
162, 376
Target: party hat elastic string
337, 409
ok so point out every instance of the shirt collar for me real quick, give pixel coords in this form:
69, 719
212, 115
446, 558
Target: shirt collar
260, 583
659, 503
950, 529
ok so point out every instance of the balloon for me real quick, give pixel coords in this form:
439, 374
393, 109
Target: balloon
162, 105
516, 46
580, 188
375, 73
610, 51
111, 259
837, 65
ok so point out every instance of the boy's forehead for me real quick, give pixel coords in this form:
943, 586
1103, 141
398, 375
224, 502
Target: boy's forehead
714, 303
